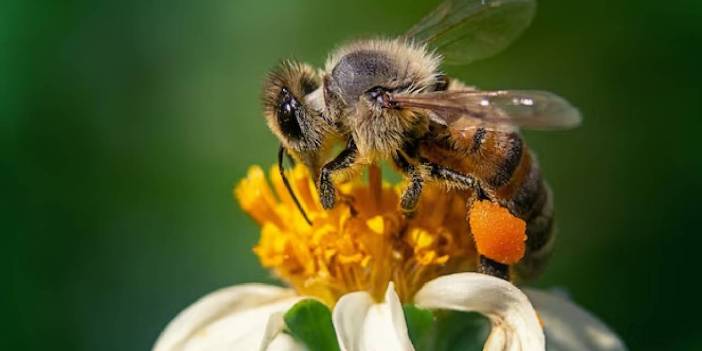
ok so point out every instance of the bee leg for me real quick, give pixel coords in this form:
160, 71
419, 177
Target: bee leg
485, 264
411, 194
461, 180
344, 160
493, 268
410, 197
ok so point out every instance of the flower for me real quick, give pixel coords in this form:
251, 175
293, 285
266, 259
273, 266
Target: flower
367, 261
361, 245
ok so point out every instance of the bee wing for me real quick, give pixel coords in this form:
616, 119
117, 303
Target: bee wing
460, 110
467, 30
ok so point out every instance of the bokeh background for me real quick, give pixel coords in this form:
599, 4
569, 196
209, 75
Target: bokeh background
124, 125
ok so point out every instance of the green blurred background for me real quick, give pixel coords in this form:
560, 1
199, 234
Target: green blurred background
124, 125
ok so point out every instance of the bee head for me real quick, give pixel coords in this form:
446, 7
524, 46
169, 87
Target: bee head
288, 114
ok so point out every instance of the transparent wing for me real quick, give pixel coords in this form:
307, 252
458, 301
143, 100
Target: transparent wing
531, 109
467, 30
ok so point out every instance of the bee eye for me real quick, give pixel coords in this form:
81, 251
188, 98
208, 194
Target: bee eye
289, 110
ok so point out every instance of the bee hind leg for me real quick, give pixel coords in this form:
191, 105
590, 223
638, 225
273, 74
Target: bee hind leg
493, 268
485, 264
459, 179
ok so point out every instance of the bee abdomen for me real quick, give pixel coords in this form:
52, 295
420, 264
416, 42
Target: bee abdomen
478, 139
510, 148
524, 193
527, 196
540, 237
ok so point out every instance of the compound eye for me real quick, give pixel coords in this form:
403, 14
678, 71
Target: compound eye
288, 114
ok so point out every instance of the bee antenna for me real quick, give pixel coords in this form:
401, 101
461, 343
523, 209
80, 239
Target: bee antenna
281, 153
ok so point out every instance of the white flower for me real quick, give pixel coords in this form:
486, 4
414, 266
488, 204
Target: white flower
249, 317
366, 261
241, 317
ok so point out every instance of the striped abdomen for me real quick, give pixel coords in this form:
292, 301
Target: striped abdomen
509, 173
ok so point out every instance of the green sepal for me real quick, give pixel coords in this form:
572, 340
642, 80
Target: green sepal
466, 331
309, 321
420, 326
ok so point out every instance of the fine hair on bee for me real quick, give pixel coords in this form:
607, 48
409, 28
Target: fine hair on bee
387, 99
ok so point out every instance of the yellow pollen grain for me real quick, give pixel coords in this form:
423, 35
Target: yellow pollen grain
376, 224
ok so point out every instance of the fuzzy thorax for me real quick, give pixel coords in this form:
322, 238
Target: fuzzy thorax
355, 70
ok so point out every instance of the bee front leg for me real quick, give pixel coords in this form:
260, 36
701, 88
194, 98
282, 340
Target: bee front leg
344, 160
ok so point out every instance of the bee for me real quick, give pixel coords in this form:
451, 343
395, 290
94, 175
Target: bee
387, 99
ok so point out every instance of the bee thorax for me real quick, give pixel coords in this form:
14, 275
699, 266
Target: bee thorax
381, 134
360, 71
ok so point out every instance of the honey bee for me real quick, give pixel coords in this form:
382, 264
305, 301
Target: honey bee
387, 99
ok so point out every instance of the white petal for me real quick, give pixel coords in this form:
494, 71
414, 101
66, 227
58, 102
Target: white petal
285, 342
348, 317
569, 327
515, 325
231, 318
274, 338
363, 325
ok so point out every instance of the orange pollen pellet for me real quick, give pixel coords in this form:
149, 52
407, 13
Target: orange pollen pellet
498, 234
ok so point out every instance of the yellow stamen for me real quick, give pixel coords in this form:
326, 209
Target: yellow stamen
362, 248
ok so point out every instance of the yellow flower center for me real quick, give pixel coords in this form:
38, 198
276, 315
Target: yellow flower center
363, 243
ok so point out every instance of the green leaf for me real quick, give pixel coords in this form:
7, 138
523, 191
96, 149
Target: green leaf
309, 321
445, 330
464, 331
420, 325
